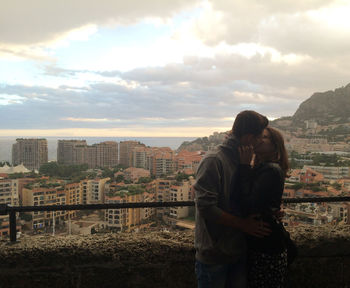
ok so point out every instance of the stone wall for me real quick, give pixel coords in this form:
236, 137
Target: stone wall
324, 257
155, 259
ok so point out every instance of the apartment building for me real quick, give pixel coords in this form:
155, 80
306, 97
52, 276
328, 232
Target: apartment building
308, 175
93, 190
67, 151
345, 183
162, 162
147, 212
126, 152
8, 195
187, 162
140, 157
40, 196
162, 191
68, 194
32, 153
73, 196
331, 172
62, 199
107, 154
339, 211
100, 155
123, 219
180, 192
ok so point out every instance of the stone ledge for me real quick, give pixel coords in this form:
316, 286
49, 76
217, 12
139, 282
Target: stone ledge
156, 259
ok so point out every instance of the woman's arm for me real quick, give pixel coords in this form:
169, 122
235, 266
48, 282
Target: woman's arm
263, 191
268, 188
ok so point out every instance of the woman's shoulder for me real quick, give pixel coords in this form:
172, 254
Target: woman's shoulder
270, 167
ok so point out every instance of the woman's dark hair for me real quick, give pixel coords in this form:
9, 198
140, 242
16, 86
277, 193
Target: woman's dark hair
249, 122
281, 151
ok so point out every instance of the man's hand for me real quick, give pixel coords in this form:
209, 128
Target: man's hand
279, 214
254, 227
246, 155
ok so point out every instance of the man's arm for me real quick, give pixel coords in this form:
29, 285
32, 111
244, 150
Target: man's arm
248, 225
206, 187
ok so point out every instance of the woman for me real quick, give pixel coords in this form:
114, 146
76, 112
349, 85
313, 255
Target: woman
261, 185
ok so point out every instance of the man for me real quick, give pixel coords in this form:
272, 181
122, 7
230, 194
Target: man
219, 236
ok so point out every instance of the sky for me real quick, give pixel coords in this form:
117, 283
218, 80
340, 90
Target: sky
113, 68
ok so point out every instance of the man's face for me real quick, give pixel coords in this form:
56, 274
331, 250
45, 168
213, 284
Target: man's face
258, 140
251, 139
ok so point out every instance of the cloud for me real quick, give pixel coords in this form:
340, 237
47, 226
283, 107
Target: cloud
314, 28
90, 119
41, 21
224, 57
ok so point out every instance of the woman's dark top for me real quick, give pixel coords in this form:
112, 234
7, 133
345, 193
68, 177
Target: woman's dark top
260, 192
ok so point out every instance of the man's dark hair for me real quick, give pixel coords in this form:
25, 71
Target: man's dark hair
249, 122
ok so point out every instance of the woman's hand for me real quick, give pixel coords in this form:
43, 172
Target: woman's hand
246, 155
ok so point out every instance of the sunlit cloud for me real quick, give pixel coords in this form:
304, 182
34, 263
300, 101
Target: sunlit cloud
89, 119
336, 17
6, 99
137, 131
79, 34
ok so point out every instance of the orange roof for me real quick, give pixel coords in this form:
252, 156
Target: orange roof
295, 172
113, 198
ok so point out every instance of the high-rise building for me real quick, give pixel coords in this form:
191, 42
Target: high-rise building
91, 156
76, 152
125, 218
162, 162
181, 192
8, 195
140, 157
40, 196
67, 152
107, 154
92, 190
126, 152
163, 194
32, 153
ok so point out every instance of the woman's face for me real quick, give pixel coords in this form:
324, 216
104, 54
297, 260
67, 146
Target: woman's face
266, 146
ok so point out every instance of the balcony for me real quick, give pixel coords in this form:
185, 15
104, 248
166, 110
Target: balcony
156, 259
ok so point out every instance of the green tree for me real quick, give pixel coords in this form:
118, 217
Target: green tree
181, 177
296, 186
107, 173
119, 178
336, 186
54, 169
26, 217
144, 180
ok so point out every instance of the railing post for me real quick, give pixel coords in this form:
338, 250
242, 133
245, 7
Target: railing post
13, 232
3, 209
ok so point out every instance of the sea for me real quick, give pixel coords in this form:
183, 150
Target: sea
172, 142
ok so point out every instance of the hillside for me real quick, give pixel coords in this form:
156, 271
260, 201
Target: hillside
331, 107
204, 143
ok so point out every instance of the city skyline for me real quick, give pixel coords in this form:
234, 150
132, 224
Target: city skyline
169, 68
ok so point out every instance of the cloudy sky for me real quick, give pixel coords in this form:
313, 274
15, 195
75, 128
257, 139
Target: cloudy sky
163, 68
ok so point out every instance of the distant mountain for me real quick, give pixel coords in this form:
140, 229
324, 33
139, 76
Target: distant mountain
331, 107
204, 143
324, 108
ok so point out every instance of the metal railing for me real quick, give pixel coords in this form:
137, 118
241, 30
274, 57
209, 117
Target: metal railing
11, 210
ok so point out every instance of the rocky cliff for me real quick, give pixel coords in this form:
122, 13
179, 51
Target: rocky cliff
331, 107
